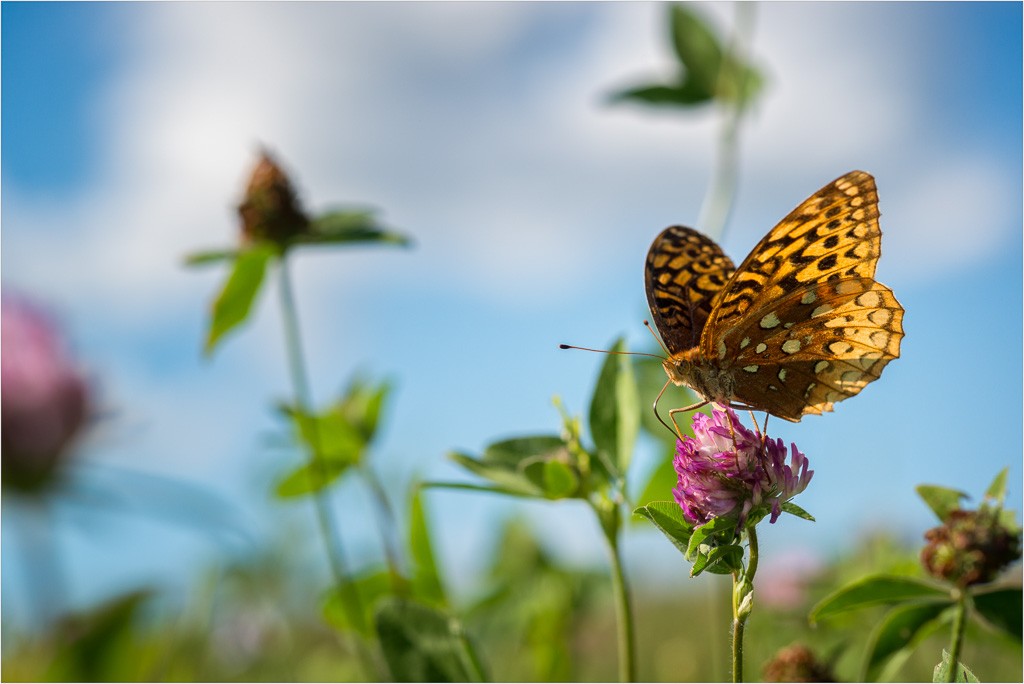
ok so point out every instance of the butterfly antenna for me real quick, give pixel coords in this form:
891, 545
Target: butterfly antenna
660, 343
603, 351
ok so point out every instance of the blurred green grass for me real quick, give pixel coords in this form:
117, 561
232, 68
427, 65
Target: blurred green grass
532, 620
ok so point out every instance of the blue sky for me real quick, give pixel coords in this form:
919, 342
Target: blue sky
482, 131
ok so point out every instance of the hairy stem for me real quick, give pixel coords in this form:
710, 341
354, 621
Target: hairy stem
742, 595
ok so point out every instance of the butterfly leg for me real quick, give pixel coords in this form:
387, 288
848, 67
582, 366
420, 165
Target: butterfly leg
756, 428
677, 432
686, 409
764, 438
732, 433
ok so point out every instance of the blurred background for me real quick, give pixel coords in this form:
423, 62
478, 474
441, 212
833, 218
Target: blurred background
483, 131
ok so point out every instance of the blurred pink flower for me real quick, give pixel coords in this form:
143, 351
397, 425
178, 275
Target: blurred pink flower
44, 396
783, 580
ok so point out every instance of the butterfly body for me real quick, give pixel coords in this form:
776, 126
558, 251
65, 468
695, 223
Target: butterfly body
800, 325
705, 377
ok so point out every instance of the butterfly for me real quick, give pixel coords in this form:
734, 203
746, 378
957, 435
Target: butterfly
799, 326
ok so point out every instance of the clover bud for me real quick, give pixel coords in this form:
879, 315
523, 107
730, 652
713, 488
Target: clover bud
796, 663
270, 210
971, 547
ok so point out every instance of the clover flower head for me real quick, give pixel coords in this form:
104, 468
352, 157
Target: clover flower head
45, 397
723, 471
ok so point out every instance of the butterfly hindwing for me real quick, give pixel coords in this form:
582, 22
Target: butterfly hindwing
684, 272
816, 346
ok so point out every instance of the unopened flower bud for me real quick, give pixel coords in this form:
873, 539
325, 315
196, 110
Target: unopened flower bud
796, 663
270, 210
972, 547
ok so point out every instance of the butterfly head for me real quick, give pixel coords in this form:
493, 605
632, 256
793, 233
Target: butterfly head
707, 379
680, 367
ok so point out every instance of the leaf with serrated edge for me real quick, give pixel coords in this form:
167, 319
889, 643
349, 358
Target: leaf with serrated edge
501, 474
477, 488
615, 408
1003, 608
719, 556
657, 94
422, 644
997, 490
793, 509
233, 304
309, 478
941, 673
426, 579
709, 529
560, 480
941, 500
670, 521
901, 630
212, 256
696, 47
511, 452
872, 591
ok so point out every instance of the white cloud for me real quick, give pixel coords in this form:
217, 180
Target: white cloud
530, 190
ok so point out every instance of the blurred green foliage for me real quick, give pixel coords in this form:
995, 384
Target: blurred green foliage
707, 68
532, 619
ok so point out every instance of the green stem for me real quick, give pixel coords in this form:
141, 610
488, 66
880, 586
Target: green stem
328, 531
959, 621
387, 526
742, 596
737, 649
623, 613
718, 201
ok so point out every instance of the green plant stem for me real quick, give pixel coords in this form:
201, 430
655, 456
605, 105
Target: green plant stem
623, 612
737, 649
742, 591
470, 659
721, 589
387, 527
328, 531
959, 621
718, 201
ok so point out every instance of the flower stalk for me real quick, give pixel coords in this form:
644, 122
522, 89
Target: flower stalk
328, 530
742, 605
729, 479
623, 612
387, 525
959, 623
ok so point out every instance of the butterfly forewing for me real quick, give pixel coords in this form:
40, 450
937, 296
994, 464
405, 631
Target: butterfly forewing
833, 234
684, 272
800, 325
